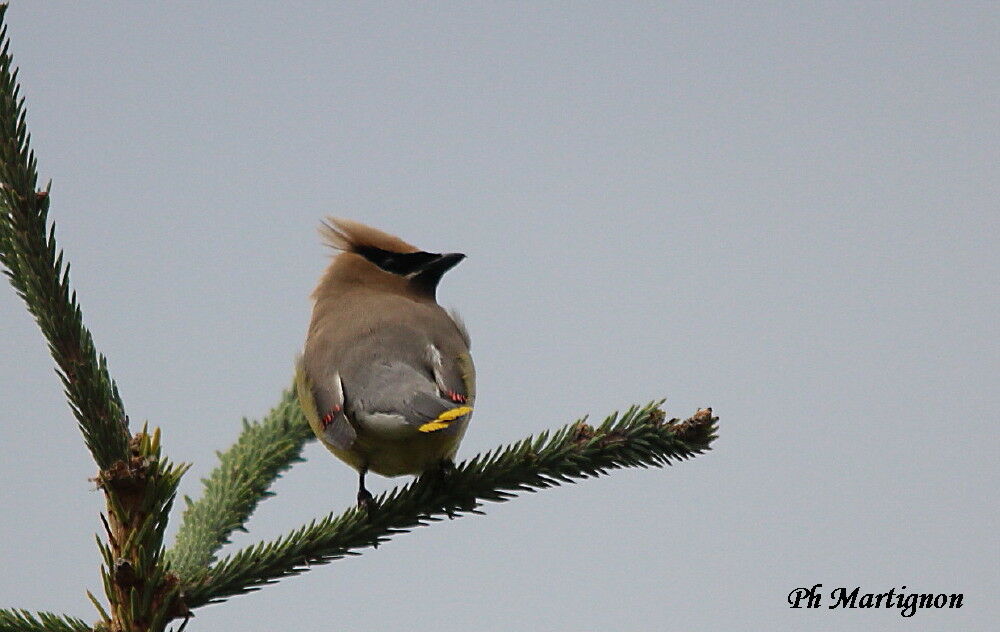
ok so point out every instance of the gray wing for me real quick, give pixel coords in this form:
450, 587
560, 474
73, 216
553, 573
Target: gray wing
336, 428
399, 389
454, 374
396, 370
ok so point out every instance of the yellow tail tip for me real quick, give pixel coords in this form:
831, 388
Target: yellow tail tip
444, 419
431, 426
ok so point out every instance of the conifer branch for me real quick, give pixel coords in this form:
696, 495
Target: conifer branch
35, 268
638, 438
263, 451
24, 621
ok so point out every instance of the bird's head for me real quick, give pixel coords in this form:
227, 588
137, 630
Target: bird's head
376, 258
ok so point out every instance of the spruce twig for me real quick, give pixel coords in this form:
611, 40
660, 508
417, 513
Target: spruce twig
638, 438
35, 268
24, 621
142, 591
264, 450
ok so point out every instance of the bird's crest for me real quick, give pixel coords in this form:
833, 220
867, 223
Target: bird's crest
350, 236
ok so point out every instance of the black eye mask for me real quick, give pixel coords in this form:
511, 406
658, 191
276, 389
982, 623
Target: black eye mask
399, 263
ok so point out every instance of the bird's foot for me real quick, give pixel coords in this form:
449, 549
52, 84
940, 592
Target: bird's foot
445, 471
447, 468
366, 501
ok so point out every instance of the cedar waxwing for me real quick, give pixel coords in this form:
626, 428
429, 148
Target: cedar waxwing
386, 380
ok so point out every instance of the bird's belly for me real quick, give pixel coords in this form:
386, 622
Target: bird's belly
412, 454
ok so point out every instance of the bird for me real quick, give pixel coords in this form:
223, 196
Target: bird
385, 378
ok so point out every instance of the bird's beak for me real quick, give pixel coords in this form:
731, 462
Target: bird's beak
443, 263
429, 275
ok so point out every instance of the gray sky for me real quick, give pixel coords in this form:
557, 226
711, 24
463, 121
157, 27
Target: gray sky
786, 212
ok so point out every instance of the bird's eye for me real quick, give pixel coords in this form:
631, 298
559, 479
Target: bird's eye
399, 263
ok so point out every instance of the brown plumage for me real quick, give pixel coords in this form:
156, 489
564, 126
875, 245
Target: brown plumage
385, 379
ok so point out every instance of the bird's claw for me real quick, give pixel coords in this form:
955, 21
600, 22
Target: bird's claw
367, 502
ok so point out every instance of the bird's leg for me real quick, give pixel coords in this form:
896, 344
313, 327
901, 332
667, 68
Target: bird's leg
365, 498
